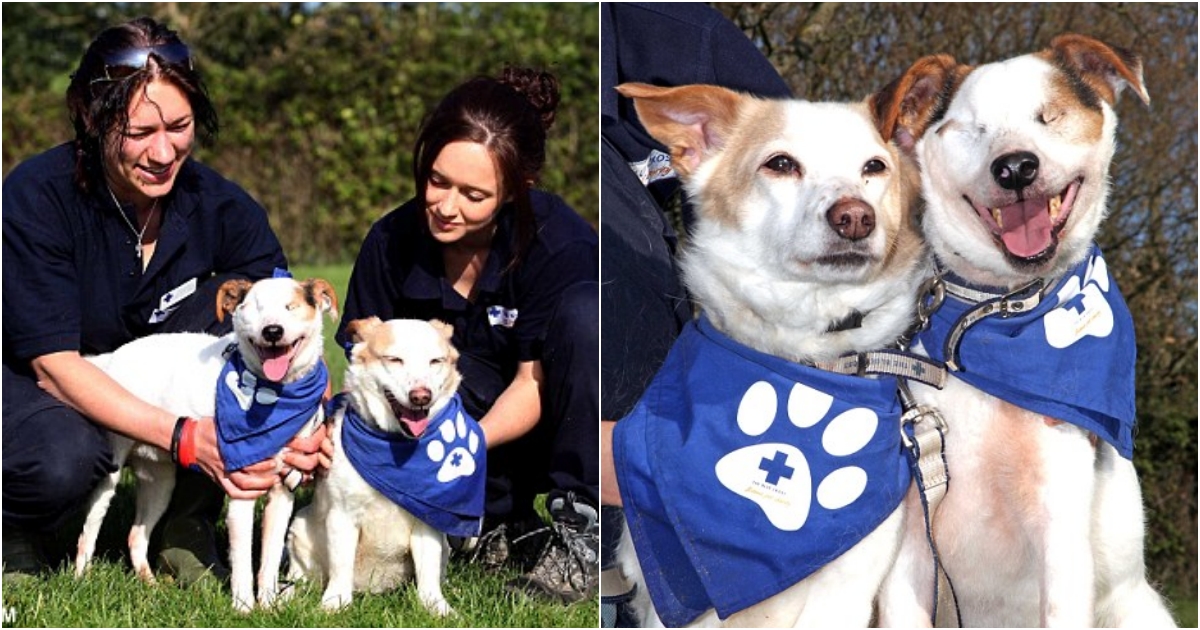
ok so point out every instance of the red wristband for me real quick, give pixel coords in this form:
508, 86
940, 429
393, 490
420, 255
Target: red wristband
187, 445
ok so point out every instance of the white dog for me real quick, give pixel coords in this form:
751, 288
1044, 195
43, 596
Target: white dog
1042, 523
278, 340
760, 490
409, 467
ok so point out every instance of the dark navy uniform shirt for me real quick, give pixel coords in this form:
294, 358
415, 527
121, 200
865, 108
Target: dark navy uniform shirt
72, 280
399, 274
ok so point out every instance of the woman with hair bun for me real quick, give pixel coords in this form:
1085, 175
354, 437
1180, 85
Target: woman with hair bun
515, 270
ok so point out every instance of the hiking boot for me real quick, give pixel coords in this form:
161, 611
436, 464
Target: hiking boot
515, 542
187, 540
567, 569
24, 553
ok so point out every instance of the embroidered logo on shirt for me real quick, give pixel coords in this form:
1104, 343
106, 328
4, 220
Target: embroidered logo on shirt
171, 301
1084, 311
656, 167
776, 476
500, 316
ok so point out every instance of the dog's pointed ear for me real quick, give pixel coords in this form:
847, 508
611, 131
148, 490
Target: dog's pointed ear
321, 295
905, 108
357, 329
691, 120
229, 295
1106, 69
446, 330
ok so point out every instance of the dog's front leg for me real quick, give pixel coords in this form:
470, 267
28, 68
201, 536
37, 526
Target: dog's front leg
156, 482
906, 596
341, 539
240, 521
274, 534
430, 551
1068, 578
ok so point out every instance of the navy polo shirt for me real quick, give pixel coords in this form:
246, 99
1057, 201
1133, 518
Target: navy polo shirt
399, 274
71, 278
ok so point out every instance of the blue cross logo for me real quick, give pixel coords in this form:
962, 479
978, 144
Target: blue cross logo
456, 460
776, 468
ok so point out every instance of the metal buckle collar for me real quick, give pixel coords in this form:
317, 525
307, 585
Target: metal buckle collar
987, 303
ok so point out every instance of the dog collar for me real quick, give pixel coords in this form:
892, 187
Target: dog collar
439, 477
255, 417
1066, 349
739, 463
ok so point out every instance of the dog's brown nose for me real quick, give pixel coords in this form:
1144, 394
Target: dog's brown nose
420, 396
1014, 171
852, 219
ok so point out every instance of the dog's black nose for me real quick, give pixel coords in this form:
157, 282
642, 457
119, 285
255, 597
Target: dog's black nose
1015, 171
852, 219
272, 333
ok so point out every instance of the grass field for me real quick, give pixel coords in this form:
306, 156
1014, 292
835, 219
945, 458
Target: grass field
110, 596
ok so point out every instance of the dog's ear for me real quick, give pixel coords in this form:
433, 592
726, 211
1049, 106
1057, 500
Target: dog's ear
446, 330
229, 295
905, 109
1104, 68
320, 294
691, 120
356, 330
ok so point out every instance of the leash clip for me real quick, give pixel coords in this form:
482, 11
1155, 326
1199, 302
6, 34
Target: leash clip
917, 416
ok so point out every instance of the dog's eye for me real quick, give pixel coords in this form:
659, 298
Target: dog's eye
394, 360
1047, 116
783, 164
436, 361
873, 167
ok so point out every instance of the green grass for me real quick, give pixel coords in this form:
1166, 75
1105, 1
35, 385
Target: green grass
339, 277
110, 596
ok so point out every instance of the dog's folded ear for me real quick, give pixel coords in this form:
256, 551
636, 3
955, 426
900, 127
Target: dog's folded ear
320, 294
691, 120
357, 329
1104, 68
906, 107
229, 295
447, 330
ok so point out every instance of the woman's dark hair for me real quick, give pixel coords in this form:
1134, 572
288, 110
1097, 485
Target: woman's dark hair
105, 84
510, 116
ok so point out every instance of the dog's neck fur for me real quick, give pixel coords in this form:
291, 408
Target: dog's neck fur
791, 319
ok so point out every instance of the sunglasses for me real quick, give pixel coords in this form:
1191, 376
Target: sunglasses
124, 63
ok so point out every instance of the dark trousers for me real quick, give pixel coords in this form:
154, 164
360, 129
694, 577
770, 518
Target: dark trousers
561, 453
53, 456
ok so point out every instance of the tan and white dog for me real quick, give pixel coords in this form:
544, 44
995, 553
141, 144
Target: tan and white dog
402, 374
1042, 524
278, 332
805, 248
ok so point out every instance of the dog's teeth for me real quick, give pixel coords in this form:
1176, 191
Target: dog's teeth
998, 217
1055, 206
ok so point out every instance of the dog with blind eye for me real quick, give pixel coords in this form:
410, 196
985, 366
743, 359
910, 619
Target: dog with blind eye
1042, 523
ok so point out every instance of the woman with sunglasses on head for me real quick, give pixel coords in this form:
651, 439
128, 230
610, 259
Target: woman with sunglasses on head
114, 236
514, 270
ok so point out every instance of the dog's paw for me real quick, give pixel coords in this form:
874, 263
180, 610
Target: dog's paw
776, 476
1082, 311
334, 601
456, 449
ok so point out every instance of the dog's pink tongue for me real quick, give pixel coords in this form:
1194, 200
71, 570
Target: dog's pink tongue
276, 367
1027, 228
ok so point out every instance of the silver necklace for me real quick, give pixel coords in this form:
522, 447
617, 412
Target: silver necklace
137, 233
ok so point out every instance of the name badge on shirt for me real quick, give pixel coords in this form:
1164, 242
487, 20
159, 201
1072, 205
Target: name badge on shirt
500, 316
655, 167
171, 301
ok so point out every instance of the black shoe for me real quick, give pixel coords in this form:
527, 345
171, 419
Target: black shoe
24, 553
567, 569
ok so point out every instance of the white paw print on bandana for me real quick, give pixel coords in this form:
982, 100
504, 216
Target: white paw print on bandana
455, 447
1083, 311
776, 476
247, 392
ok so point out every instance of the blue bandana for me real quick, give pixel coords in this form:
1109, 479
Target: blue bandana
255, 417
1071, 358
439, 477
743, 473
